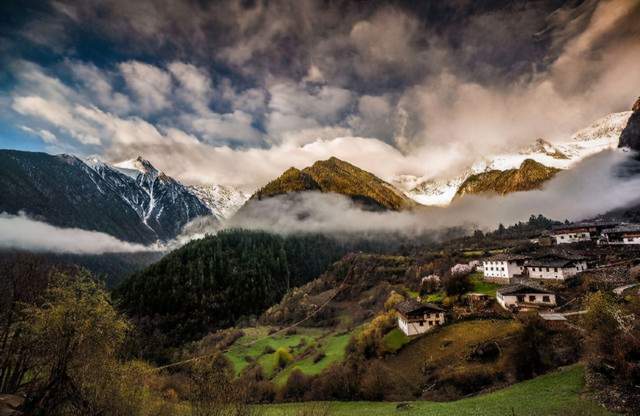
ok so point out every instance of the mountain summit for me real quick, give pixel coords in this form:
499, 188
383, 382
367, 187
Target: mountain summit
630, 136
530, 175
337, 176
133, 201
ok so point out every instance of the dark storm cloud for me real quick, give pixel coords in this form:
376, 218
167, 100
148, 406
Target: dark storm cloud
201, 87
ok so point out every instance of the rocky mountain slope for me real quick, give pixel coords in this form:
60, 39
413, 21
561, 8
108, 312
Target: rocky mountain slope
630, 136
134, 202
223, 201
601, 135
530, 175
336, 176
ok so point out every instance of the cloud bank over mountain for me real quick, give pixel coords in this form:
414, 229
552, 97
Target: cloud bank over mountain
596, 185
234, 92
24, 233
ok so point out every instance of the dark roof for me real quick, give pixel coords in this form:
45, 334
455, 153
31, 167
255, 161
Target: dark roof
520, 288
507, 257
412, 306
549, 262
555, 258
592, 224
627, 228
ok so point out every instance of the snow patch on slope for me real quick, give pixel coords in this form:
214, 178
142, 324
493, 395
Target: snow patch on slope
603, 134
223, 201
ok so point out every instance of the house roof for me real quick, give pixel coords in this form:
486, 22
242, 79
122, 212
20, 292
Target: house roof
413, 307
521, 289
627, 228
578, 225
508, 257
555, 259
550, 262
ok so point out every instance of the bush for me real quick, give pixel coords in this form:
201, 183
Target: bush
296, 386
375, 383
319, 356
268, 349
393, 299
283, 357
456, 285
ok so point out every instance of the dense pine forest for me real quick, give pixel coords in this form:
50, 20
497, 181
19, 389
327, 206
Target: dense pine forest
219, 280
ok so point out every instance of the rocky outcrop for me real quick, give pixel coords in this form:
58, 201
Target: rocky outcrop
630, 136
530, 175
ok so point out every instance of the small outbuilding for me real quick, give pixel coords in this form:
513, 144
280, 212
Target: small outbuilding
524, 296
416, 318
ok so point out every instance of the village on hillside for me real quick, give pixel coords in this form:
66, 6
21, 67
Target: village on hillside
542, 278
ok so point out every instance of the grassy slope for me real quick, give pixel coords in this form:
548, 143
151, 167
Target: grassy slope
444, 347
480, 286
333, 345
557, 393
395, 340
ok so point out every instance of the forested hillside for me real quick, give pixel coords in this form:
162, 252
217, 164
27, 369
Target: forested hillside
214, 282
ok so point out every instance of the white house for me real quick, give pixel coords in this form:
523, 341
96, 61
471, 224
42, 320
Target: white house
581, 231
555, 267
417, 318
623, 234
524, 296
571, 234
503, 267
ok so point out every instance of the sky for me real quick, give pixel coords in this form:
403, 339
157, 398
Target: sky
235, 92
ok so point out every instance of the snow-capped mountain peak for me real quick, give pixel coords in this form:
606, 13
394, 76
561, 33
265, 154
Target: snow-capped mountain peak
223, 201
602, 134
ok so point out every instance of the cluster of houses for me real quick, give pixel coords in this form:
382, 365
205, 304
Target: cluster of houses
599, 231
521, 273
502, 268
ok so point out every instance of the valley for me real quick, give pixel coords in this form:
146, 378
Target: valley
319, 208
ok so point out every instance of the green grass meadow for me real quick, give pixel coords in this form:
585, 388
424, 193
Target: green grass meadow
559, 393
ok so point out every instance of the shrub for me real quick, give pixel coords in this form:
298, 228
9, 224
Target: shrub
268, 349
283, 357
319, 356
296, 386
393, 299
457, 285
375, 383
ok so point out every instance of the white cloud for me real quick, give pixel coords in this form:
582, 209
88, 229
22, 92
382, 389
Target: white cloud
44, 134
99, 84
21, 232
150, 84
570, 195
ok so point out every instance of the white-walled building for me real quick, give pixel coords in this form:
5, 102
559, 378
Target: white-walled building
503, 266
571, 235
523, 296
581, 231
555, 267
623, 234
417, 318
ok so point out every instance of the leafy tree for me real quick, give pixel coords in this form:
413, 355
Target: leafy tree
457, 284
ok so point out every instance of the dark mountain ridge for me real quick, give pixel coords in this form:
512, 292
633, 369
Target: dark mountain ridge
65, 191
630, 136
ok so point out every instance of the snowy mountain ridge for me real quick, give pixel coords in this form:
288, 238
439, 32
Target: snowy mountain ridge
223, 201
601, 135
